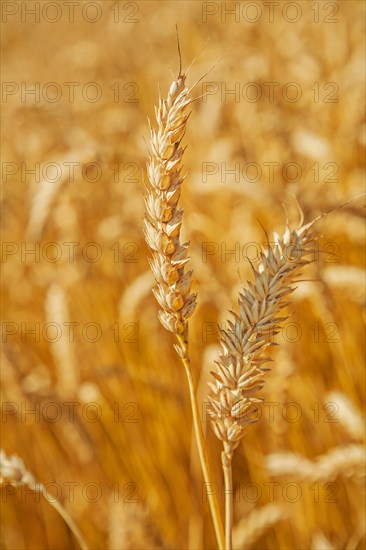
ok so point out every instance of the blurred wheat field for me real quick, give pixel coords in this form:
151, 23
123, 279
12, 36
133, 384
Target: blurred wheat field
94, 400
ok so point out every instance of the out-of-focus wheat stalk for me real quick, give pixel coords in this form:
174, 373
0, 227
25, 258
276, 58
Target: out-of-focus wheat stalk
47, 190
13, 472
162, 231
249, 529
347, 461
57, 311
347, 414
130, 527
239, 372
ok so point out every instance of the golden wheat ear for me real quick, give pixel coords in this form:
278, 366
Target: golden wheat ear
240, 370
163, 221
163, 216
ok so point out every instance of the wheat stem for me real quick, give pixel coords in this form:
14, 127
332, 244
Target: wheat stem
240, 371
226, 460
212, 498
13, 471
40, 488
162, 232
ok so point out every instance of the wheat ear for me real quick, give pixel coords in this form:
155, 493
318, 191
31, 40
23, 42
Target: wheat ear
240, 369
169, 257
13, 472
164, 219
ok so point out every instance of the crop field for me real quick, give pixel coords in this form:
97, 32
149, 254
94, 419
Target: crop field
99, 445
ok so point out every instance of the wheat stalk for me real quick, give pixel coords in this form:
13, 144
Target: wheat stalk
249, 529
240, 370
47, 191
346, 461
57, 311
130, 527
13, 472
169, 256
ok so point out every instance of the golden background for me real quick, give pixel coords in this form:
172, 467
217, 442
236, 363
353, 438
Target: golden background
113, 415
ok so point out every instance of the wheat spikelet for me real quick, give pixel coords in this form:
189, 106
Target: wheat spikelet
249, 529
163, 217
347, 461
239, 371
